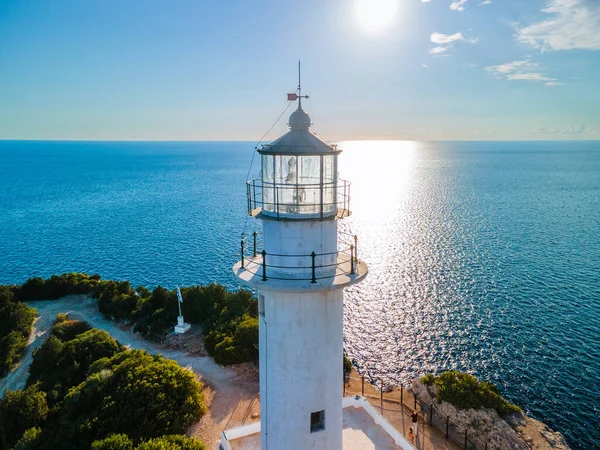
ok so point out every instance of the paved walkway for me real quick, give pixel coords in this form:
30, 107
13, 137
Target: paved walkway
429, 437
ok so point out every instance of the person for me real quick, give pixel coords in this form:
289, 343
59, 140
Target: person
411, 436
414, 417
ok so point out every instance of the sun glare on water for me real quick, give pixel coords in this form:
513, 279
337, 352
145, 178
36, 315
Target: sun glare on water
375, 15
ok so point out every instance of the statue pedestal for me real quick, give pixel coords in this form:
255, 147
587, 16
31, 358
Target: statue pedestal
181, 326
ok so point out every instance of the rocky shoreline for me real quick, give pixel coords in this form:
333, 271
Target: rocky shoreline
517, 432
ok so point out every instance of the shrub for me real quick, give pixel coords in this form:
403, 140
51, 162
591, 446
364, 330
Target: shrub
135, 393
114, 442
57, 286
428, 379
172, 443
67, 330
59, 365
16, 320
21, 410
464, 391
29, 440
347, 365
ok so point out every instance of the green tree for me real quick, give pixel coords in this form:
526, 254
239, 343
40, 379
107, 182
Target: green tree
16, 320
30, 439
58, 365
21, 410
114, 442
135, 393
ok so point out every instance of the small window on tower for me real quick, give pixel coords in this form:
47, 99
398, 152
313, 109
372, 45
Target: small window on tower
317, 421
261, 305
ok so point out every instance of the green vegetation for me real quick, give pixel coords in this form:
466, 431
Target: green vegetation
229, 320
174, 442
347, 366
464, 391
16, 320
21, 410
86, 389
63, 362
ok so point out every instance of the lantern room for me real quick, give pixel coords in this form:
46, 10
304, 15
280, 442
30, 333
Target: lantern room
299, 176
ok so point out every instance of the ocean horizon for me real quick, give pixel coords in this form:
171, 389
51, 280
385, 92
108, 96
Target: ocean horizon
483, 255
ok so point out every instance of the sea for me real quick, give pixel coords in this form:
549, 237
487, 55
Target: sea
483, 256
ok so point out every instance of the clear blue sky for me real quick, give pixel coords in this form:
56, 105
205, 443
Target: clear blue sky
219, 70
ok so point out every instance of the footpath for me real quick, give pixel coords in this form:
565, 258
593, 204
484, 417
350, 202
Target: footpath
231, 396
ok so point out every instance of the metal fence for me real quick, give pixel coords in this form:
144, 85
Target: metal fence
299, 267
394, 402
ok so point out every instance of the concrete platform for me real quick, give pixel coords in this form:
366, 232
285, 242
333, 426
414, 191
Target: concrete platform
363, 429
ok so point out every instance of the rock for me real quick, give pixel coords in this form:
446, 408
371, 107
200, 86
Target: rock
518, 432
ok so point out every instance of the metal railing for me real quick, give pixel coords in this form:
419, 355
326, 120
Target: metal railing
395, 401
290, 200
299, 267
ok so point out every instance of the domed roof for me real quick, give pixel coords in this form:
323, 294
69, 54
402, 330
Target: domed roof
299, 120
299, 140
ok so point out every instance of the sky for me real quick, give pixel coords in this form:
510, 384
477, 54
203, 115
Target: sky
374, 69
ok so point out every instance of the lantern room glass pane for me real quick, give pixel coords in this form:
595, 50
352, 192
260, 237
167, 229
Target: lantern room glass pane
329, 184
267, 189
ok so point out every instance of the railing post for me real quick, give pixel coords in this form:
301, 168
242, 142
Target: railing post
466, 438
264, 264
415, 397
352, 259
381, 398
313, 255
447, 426
356, 248
363, 386
254, 234
249, 197
401, 397
242, 250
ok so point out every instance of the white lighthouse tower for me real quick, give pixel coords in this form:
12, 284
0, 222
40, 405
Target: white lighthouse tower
300, 273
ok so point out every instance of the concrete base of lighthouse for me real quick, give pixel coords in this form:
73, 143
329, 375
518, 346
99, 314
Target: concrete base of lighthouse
301, 347
363, 429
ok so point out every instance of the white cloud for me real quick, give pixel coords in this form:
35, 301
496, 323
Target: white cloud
440, 38
508, 67
574, 24
531, 76
438, 50
446, 41
458, 5
573, 129
425, 1
520, 70
425, 66
486, 2
554, 83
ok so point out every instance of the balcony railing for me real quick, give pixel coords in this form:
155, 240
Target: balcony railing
287, 200
299, 267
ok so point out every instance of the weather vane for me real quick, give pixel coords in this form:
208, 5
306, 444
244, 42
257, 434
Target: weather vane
297, 96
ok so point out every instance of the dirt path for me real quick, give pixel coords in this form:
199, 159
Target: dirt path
226, 392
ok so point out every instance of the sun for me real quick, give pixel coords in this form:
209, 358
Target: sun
375, 15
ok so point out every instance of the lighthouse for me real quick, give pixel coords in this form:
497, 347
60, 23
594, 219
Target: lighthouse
300, 266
